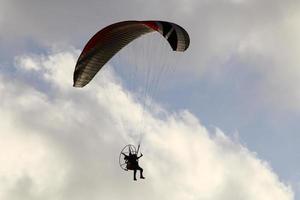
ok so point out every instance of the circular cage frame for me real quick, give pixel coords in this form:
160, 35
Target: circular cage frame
129, 148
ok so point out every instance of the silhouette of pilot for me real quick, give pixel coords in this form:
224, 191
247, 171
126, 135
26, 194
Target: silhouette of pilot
132, 163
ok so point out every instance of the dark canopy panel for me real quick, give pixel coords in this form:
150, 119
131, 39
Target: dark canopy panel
108, 41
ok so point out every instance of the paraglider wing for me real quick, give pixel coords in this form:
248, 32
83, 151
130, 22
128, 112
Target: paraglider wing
108, 41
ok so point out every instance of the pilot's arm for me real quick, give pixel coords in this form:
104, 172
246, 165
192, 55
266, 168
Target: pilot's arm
140, 155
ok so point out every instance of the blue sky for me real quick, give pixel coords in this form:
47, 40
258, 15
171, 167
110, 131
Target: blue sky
237, 88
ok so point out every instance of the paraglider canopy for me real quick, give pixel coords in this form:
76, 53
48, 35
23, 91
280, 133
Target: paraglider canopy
108, 41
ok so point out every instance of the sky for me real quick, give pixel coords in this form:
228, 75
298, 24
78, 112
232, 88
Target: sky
223, 126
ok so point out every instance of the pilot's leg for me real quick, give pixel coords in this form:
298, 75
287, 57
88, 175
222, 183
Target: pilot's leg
134, 174
141, 172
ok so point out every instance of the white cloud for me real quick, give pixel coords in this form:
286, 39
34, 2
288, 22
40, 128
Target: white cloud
65, 145
27, 63
30, 168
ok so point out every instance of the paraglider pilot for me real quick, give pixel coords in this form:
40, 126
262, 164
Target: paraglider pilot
132, 163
